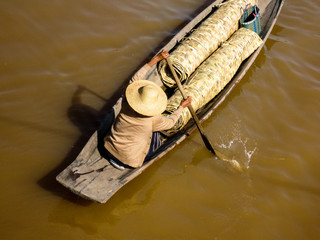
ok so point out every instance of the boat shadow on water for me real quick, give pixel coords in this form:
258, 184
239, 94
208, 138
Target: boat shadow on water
87, 119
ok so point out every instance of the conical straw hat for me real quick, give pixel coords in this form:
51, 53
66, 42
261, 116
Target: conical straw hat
146, 98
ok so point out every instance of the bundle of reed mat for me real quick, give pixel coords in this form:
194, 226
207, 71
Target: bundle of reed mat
214, 73
204, 40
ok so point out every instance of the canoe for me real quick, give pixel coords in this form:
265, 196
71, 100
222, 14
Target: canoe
92, 177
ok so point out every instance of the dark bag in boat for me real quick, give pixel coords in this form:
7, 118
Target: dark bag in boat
251, 19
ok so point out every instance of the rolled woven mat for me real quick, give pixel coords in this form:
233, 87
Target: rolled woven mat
214, 74
204, 40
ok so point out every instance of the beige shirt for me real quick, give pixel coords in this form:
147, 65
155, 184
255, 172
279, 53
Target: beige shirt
131, 133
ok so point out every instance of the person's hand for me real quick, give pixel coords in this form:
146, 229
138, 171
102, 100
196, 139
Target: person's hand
186, 102
164, 54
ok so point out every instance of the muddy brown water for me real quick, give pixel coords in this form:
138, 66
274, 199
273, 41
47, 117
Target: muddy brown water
270, 122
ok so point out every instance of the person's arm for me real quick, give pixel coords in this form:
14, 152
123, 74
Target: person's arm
143, 71
165, 123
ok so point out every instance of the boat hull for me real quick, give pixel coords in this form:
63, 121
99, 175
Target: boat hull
92, 177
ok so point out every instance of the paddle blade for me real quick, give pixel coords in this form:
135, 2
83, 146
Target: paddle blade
234, 163
208, 143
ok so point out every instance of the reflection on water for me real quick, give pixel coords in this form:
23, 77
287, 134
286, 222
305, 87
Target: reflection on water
63, 64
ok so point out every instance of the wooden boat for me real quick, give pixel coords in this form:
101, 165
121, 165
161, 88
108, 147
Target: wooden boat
92, 177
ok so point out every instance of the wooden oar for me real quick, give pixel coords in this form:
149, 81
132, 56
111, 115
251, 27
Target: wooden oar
195, 117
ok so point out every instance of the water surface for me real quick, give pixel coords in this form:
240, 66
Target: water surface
53, 52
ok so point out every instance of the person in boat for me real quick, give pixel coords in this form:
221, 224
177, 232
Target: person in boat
134, 135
